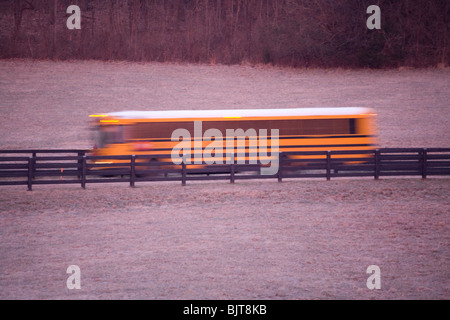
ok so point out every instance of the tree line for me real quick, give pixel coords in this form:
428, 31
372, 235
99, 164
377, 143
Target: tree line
296, 33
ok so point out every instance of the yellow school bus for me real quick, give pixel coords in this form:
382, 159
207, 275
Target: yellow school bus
295, 129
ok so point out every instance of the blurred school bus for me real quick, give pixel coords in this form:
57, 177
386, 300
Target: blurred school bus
219, 132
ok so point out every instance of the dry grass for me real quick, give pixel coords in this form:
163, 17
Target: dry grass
300, 239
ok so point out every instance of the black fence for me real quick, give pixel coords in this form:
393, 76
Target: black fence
34, 167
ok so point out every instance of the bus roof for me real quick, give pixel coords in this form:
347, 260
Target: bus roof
239, 113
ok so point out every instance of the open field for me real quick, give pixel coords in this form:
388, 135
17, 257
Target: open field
299, 239
46, 104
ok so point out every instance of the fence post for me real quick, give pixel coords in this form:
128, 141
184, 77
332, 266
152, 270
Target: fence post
133, 172
280, 166
232, 168
80, 163
183, 171
424, 163
83, 173
377, 164
34, 164
30, 173
328, 165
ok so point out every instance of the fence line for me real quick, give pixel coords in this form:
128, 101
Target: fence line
82, 169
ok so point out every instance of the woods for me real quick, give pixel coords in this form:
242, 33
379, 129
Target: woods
296, 33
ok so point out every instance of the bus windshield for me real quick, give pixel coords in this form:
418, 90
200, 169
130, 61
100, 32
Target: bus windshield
109, 134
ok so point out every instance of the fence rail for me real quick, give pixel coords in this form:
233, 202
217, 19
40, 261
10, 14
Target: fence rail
71, 166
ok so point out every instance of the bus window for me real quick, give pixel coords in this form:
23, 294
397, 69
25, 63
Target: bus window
327, 126
159, 130
288, 127
352, 124
291, 127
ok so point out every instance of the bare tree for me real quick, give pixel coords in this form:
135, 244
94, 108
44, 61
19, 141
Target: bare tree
296, 33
